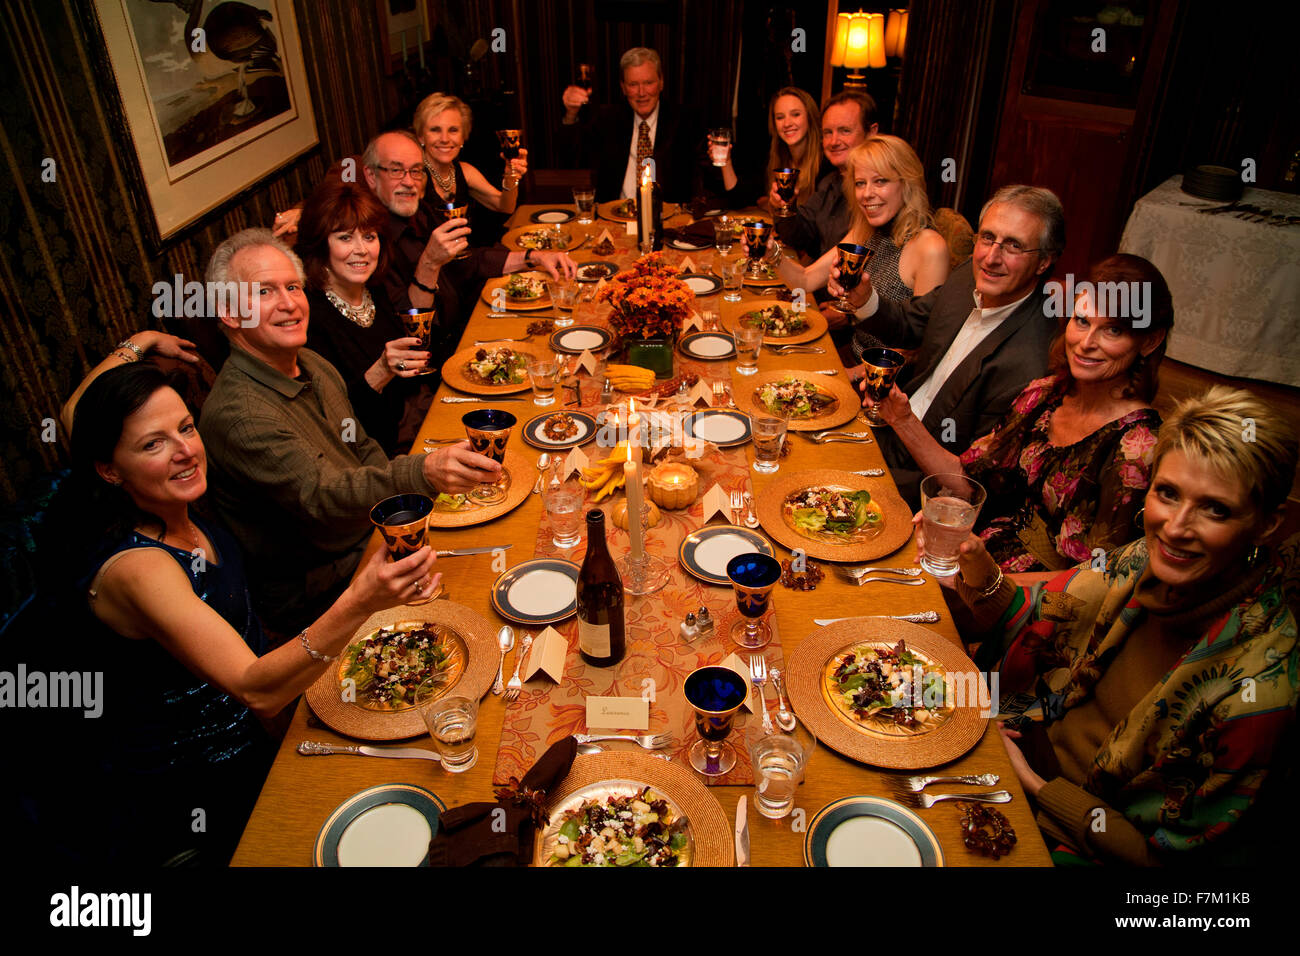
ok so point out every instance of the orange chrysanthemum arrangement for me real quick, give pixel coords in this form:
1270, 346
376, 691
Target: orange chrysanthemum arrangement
648, 299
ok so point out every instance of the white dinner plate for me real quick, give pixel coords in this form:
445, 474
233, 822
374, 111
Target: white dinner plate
705, 553
709, 346
388, 825
575, 340
541, 591
725, 427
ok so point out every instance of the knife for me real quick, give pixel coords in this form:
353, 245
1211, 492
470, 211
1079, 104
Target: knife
742, 832
461, 552
451, 399
310, 748
924, 617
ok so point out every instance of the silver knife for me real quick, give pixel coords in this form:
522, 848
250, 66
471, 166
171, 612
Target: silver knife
461, 552
742, 832
869, 472
453, 399
924, 617
310, 748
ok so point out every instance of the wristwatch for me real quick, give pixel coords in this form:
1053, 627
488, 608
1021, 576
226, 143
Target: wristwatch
528, 258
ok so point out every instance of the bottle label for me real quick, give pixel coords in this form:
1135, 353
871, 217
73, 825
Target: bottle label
594, 639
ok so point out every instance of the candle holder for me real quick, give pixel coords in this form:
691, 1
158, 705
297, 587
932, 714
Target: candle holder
644, 574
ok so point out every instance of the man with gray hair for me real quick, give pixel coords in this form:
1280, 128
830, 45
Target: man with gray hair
292, 472
615, 140
981, 337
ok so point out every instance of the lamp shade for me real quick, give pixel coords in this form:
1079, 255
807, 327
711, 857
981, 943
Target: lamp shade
896, 33
857, 52
875, 40
841, 38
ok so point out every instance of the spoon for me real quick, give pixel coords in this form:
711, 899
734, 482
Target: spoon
784, 718
590, 749
505, 641
543, 462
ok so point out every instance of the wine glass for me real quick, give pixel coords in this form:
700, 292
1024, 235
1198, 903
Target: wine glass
418, 324
489, 431
715, 693
509, 140
753, 576
757, 232
786, 179
403, 521
881, 366
853, 259
451, 211
586, 78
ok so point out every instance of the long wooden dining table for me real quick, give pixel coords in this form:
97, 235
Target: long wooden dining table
301, 792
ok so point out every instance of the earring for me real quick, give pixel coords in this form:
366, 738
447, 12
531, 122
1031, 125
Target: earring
1137, 518
1254, 556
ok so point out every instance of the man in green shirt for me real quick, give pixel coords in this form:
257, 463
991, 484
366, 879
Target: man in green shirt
292, 472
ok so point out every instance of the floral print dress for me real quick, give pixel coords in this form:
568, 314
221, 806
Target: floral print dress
1084, 496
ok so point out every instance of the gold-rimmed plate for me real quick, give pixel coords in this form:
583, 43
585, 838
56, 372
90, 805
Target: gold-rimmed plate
466, 513
597, 776
810, 695
336, 701
814, 329
618, 210
894, 531
456, 371
537, 592
844, 409
519, 237
511, 303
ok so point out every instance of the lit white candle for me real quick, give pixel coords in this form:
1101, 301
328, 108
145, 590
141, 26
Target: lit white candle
632, 482
633, 426
647, 204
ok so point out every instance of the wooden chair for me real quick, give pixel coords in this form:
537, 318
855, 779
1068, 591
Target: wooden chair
956, 231
557, 185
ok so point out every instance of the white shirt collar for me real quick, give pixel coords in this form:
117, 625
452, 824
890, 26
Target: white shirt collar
998, 313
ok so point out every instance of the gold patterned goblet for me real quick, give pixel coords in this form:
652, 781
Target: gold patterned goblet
715, 694
757, 232
489, 431
853, 259
753, 576
452, 211
785, 180
403, 520
419, 324
880, 366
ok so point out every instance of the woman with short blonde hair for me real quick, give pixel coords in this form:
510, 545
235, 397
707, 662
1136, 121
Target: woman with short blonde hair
442, 124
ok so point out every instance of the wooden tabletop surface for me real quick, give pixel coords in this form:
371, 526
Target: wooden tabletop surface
300, 792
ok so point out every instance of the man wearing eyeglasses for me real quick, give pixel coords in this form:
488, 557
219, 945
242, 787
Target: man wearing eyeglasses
981, 336
417, 249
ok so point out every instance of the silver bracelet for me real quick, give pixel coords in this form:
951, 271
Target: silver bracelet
314, 655
128, 344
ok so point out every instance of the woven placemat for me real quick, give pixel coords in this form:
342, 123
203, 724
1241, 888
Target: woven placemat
522, 476
844, 410
806, 685
770, 507
710, 831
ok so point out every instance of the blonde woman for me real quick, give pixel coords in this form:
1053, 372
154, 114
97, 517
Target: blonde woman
442, 124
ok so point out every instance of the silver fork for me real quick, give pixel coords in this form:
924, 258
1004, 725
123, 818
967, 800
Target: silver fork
823, 435
515, 685
737, 503
793, 349
758, 677
917, 784
526, 338
859, 571
928, 800
859, 580
648, 741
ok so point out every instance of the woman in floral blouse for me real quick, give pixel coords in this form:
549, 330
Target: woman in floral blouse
1067, 469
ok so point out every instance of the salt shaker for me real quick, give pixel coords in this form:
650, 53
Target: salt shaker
688, 628
606, 392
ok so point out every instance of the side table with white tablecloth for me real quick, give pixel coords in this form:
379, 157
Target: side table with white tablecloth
1235, 283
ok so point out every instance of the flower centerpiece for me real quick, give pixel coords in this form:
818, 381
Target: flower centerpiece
650, 304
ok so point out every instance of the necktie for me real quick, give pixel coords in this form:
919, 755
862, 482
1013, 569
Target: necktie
643, 147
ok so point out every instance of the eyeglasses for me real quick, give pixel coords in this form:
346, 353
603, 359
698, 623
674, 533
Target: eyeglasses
1010, 247
398, 173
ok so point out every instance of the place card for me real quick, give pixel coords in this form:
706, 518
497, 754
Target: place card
549, 649
618, 713
716, 501
585, 361
742, 668
693, 324
600, 285
702, 392
576, 460
687, 265
631, 228
603, 236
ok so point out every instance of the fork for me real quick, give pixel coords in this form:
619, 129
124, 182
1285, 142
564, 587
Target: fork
830, 433
758, 677
526, 338
648, 741
917, 784
928, 800
859, 571
793, 349
852, 438
515, 685
737, 502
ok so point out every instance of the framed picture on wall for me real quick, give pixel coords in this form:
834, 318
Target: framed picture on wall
213, 100
408, 27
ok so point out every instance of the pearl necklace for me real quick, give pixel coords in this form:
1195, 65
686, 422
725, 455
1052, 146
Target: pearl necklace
362, 315
448, 186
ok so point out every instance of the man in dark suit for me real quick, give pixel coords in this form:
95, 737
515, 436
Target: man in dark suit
982, 336
616, 139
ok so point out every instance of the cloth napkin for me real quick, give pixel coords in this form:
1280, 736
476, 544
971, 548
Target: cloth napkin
476, 835
699, 233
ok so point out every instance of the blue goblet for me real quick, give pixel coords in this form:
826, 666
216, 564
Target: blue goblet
715, 693
489, 432
853, 259
753, 576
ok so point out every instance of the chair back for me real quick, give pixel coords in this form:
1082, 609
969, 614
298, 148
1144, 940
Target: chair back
956, 232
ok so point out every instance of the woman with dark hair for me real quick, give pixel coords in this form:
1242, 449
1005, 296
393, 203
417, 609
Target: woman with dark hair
1165, 676
794, 124
186, 668
1066, 470
352, 324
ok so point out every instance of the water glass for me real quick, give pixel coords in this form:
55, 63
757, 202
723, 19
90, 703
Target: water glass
768, 437
949, 506
719, 146
778, 761
585, 200
451, 722
564, 296
724, 234
733, 277
563, 498
749, 342
542, 371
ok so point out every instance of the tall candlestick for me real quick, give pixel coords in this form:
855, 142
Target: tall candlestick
632, 482
647, 204
633, 426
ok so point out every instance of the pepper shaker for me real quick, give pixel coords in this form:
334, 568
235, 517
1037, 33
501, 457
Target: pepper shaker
606, 392
704, 621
